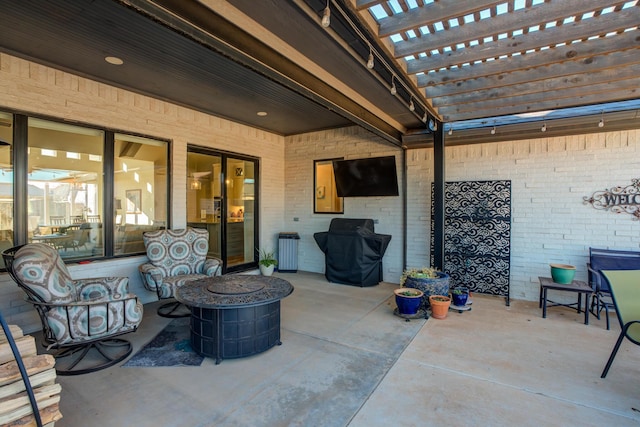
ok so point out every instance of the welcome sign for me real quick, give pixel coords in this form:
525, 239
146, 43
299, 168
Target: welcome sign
618, 199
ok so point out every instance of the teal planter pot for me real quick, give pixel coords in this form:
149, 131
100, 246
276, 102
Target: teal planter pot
562, 273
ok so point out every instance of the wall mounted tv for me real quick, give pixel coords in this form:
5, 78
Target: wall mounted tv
375, 176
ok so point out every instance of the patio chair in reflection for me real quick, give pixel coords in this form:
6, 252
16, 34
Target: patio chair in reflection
57, 220
80, 318
625, 291
77, 219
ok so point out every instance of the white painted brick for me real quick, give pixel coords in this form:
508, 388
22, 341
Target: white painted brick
550, 177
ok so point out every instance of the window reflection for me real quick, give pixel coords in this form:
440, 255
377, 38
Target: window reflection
6, 183
325, 199
140, 191
65, 190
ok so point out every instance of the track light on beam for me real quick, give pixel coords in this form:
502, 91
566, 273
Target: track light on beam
601, 122
493, 131
450, 131
544, 127
412, 106
393, 89
326, 16
370, 62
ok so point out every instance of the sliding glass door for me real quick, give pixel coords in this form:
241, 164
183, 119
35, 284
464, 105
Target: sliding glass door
221, 198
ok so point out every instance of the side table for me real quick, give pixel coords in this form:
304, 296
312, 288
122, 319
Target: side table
578, 286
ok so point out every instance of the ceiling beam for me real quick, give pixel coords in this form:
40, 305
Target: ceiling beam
626, 42
509, 22
603, 24
429, 14
554, 79
195, 20
525, 101
545, 104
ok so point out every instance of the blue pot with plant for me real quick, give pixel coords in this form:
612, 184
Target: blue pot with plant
459, 296
408, 300
429, 280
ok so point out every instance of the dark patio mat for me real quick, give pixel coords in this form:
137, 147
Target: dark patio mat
171, 347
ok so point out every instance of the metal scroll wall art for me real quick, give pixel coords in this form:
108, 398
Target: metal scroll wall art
477, 235
618, 199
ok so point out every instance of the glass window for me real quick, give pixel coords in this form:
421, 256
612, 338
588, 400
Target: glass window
325, 199
6, 183
64, 190
140, 190
240, 215
222, 197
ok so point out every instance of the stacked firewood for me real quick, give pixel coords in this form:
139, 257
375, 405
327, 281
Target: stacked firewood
15, 406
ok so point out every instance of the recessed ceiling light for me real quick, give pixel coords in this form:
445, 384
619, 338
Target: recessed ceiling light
262, 113
114, 60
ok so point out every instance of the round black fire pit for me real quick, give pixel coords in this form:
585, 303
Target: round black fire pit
235, 315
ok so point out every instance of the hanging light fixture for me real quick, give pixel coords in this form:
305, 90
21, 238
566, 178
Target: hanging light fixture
544, 127
370, 62
326, 16
450, 131
393, 89
412, 106
601, 122
493, 130
424, 118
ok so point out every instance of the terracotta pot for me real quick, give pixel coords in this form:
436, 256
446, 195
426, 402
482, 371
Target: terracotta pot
439, 306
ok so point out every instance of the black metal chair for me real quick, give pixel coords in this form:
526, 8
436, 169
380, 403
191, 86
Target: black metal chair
607, 259
625, 291
80, 318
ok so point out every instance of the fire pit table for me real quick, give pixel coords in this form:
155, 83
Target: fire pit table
234, 315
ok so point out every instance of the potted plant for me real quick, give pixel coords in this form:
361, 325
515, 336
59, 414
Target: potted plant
459, 296
267, 262
429, 280
439, 306
408, 300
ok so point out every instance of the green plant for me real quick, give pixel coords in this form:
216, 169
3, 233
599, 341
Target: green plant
409, 293
267, 258
458, 291
419, 273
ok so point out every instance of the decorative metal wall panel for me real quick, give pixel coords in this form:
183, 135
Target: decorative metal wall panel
477, 235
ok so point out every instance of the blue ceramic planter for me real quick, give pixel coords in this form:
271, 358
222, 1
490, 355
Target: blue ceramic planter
430, 286
408, 304
460, 300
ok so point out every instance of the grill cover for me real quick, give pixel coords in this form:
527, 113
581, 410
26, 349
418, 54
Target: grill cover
353, 252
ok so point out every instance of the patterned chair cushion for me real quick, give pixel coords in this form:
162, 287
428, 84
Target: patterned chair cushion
41, 269
177, 252
75, 310
176, 257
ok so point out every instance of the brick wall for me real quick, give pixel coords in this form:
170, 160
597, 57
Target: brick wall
36, 89
350, 143
550, 177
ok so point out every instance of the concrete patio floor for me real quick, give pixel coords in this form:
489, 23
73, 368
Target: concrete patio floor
347, 360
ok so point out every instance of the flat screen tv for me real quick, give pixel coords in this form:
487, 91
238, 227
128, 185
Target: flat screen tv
375, 176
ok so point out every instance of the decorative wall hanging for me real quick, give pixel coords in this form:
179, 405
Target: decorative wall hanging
618, 199
477, 235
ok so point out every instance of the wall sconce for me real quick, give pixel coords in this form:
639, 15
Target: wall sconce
196, 185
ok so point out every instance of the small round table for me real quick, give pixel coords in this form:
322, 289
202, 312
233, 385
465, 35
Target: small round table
234, 315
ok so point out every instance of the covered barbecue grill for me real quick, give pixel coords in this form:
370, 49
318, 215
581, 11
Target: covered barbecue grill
353, 251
